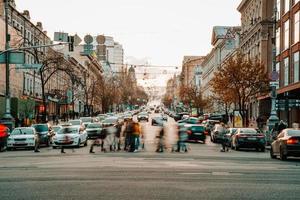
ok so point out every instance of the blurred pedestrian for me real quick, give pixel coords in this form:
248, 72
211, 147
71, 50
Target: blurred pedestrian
135, 137
160, 144
37, 142
118, 136
223, 132
128, 133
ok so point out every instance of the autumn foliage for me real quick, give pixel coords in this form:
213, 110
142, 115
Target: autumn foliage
239, 80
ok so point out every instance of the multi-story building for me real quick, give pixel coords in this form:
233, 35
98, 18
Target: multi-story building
225, 40
287, 56
256, 42
189, 64
28, 34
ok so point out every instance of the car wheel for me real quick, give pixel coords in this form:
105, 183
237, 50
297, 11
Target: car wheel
79, 143
272, 154
282, 155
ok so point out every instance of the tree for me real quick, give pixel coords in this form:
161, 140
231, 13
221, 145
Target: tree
193, 95
239, 80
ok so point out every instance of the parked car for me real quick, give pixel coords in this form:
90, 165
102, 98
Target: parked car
4, 131
22, 137
195, 132
110, 121
248, 138
45, 132
143, 116
93, 130
286, 144
228, 136
190, 120
71, 136
218, 133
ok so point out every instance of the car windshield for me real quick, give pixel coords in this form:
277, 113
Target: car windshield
56, 128
110, 120
94, 126
23, 131
41, 127
86, 119
75, 122
68, 130
293, 133
143, 113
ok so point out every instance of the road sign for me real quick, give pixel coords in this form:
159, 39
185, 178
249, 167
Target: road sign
87, 49
77, 40
14, 57
61, 37
100, 39
274, 76
88, 39
274, 83
29, 66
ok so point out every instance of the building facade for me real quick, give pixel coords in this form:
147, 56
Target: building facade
287, 57
189, 64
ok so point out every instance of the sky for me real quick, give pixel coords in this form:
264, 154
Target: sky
159, 32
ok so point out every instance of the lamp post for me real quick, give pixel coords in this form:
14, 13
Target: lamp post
273, 119
7, 118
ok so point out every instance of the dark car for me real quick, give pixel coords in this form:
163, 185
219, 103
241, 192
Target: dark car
143, 116
158, 121
248, 138
195, 132
93, 130
3, 136
178, 116
45, 132
286, 144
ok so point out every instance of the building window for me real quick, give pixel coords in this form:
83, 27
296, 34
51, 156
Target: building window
278, 41
296, 67
296, 27
286, 71
278, 9
286, 35
286, 6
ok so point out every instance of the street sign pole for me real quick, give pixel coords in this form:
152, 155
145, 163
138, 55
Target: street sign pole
7, 118
273, 115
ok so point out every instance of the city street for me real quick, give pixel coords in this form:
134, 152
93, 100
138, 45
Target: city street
202, 173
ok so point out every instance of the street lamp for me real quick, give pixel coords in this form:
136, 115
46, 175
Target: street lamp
274, 77
7, 118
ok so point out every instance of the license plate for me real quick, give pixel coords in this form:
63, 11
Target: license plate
197, 133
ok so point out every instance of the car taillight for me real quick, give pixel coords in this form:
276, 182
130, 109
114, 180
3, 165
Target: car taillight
3, 134
206, 132
261, 136
241, 136
189, 132
292, 141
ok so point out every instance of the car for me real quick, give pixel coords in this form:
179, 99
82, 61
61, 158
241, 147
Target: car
195, 132
157, 110
217, 133
45, 132
93, 130
143, 116
4, 132
70, 136
248, 138
110, 121
209, 125
178, 116
189, 120
22, 137
158, 121
286, 144
77, 122
86, 120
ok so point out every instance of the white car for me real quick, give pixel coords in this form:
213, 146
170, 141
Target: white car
23, 137
70, 136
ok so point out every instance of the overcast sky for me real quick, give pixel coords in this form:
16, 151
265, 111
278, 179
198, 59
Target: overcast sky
162, 31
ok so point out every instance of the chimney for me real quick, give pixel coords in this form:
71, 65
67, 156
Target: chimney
39, 25
26, 14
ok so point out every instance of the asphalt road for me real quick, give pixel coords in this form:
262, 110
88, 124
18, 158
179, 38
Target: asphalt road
202, 173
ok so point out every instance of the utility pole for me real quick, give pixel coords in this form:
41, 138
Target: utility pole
7, 119
273, 115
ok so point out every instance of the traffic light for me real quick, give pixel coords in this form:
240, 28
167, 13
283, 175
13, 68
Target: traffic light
71, 43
